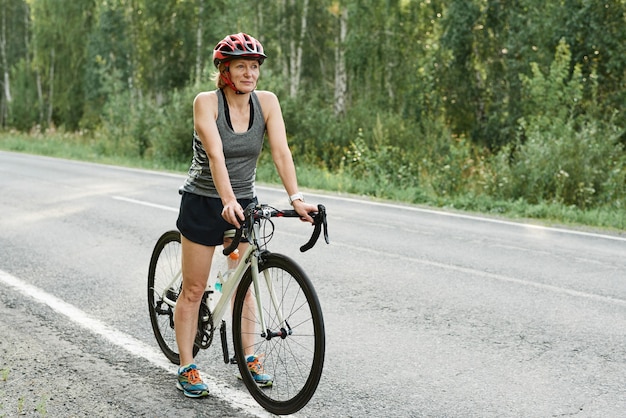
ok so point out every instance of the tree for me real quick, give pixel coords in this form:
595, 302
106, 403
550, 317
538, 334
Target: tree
5, 66
341, 77
14, 53
596, 32
296, 42
59, 44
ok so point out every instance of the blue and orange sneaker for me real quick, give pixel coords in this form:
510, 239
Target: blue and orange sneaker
256, 369
190, 382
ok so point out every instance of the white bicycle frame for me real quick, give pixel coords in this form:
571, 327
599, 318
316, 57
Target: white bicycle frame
249, 258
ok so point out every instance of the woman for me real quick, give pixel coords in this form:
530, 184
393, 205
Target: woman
229, 127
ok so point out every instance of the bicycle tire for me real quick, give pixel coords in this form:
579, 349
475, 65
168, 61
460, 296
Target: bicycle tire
296, 361
165, 264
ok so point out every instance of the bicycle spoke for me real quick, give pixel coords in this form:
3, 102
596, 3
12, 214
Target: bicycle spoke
295, 360
165, 281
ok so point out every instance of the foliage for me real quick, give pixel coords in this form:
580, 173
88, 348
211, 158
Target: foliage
562, 155
464, 101
82, 147
59, 58
172, 130
25, 111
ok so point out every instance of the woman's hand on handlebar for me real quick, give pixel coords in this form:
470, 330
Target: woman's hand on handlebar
233, 213
304, 209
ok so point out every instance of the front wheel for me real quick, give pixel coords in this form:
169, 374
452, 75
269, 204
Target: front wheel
165, 282
290, 350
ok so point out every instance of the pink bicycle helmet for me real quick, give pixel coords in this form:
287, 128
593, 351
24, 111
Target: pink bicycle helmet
239, 45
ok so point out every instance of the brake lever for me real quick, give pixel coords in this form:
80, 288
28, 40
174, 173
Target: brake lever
324, 224
249, 214
319, 221
235, 242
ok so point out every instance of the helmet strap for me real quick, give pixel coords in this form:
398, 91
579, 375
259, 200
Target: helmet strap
227, 80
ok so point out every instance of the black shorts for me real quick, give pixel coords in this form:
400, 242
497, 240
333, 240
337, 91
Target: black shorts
200, 218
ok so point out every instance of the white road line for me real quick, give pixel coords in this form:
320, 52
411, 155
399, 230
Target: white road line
144, 203
464, 269
493, 276
473, 217
414, 209
235, 398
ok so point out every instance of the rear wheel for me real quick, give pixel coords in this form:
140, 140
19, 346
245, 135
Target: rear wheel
164, 285
291, 352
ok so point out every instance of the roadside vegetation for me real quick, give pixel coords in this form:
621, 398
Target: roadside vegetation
513, 111
358, 175
10, 407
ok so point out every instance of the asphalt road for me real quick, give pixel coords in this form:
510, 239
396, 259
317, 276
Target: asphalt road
428, 314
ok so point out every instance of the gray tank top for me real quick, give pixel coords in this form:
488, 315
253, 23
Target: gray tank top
241, 151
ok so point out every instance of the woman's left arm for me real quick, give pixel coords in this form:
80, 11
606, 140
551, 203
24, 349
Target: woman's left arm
281, 154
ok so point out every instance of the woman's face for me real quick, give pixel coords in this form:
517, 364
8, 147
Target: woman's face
244, 74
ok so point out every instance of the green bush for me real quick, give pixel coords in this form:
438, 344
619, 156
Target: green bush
316, 135
383, 166
25, 110
172, 129
561, 155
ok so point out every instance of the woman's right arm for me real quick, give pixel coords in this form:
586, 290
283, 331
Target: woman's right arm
205, 108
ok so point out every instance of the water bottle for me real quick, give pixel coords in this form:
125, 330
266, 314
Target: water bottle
231, 263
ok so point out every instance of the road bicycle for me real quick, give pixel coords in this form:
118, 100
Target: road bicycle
282, 324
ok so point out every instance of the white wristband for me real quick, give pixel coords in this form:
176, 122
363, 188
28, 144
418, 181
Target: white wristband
293, 197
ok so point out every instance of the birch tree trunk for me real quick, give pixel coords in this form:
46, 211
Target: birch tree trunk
295, 56
50, 89
341, 78
3, 56
27, 44
199, 55
39, 96
390, 37
283, 26
40, 101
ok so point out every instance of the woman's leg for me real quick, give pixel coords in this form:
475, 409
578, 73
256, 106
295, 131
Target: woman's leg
249, 305
196, 260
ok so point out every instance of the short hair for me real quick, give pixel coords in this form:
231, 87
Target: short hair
219, 83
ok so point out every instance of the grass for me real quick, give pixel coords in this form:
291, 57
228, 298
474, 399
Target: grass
86, 148
4, 376
40, 407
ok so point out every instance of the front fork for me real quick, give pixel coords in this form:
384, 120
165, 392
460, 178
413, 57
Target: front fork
267, 333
